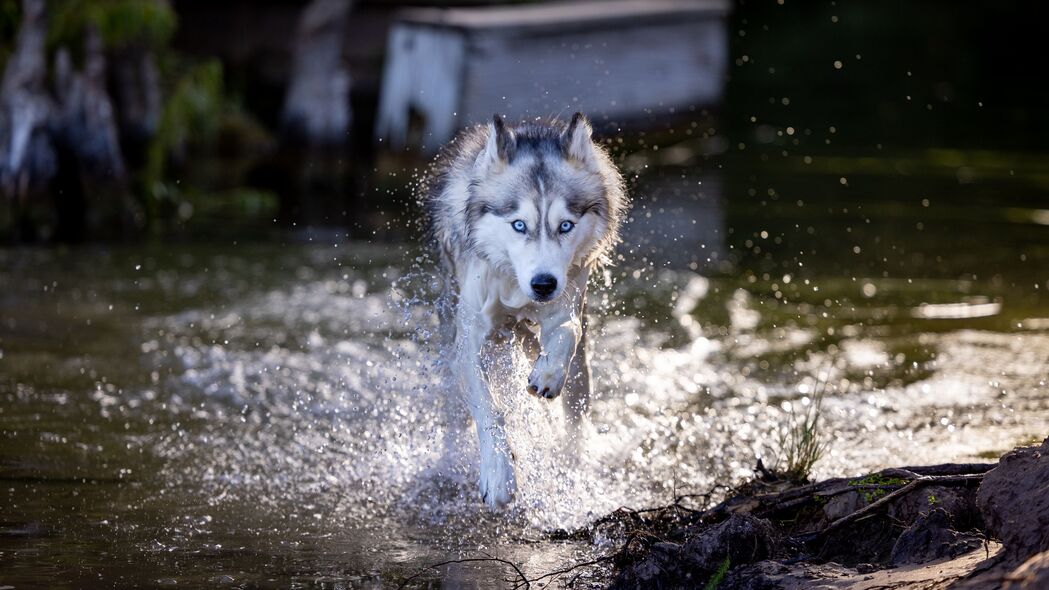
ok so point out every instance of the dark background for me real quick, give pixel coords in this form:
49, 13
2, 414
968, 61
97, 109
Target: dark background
913, 76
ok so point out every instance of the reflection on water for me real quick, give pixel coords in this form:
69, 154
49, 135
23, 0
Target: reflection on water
273, 415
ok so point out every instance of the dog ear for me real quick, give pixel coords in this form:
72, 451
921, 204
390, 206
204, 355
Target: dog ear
502, 142
575, 139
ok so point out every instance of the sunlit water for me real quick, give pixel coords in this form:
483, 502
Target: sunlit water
274, 415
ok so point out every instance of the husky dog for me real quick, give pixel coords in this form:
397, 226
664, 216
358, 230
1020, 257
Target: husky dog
521, 215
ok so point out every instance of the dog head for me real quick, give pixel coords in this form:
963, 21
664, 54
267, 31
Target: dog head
544, 198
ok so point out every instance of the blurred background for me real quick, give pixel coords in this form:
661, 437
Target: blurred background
179, 120
215, 364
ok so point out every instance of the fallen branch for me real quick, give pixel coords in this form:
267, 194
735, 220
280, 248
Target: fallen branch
765, 505
890, 497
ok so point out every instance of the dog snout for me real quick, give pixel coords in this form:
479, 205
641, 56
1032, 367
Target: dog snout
544, 285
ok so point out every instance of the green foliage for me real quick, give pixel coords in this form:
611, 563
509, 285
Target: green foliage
801, 443
870, 496
718, 576
119, 22
192, 110
876, 479
184, 176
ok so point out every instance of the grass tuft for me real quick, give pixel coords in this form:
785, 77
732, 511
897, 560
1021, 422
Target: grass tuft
718, 576
802, 442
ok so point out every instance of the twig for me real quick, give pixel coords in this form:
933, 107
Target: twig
553, 575
623, 512
524, 581
520, 574
634, 535
706, 495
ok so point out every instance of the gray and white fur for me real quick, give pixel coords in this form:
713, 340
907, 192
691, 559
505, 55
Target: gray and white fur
521, 215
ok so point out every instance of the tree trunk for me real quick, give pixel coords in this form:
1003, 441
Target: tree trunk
86, 121
314, 154
27, 158
134, 84
61, 167
86, 132
317, 106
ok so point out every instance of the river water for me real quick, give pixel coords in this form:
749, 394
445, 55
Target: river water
271, 414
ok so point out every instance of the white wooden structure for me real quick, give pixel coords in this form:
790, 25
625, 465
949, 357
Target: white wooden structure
615, 60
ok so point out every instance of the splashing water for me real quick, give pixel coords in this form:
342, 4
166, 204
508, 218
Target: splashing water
358, 418
363, 405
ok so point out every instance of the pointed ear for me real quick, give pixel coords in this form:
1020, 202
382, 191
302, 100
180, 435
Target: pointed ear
575, 140
502, 143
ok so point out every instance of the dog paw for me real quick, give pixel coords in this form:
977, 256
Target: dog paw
547, 378
498, 481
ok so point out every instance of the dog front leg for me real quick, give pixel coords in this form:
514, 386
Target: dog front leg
559, 334
497, 478
576, 398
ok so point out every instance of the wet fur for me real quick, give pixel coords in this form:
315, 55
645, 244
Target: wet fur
547, 172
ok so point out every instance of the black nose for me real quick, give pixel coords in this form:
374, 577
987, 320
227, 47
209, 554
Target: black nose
544, 285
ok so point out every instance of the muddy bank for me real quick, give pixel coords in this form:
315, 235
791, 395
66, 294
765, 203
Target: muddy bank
944, 526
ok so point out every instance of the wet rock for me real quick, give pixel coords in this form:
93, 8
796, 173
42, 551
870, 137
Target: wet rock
764, 575
1033, 574
1014, 501
740, 540
866, 568
931, 537
653, 569
843, 505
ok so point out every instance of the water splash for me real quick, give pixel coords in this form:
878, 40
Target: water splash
337, 390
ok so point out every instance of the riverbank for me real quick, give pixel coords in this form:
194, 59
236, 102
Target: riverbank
943, 526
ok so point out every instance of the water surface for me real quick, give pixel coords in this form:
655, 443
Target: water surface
273, 414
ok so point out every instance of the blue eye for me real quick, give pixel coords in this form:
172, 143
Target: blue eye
566, 226
519, 226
